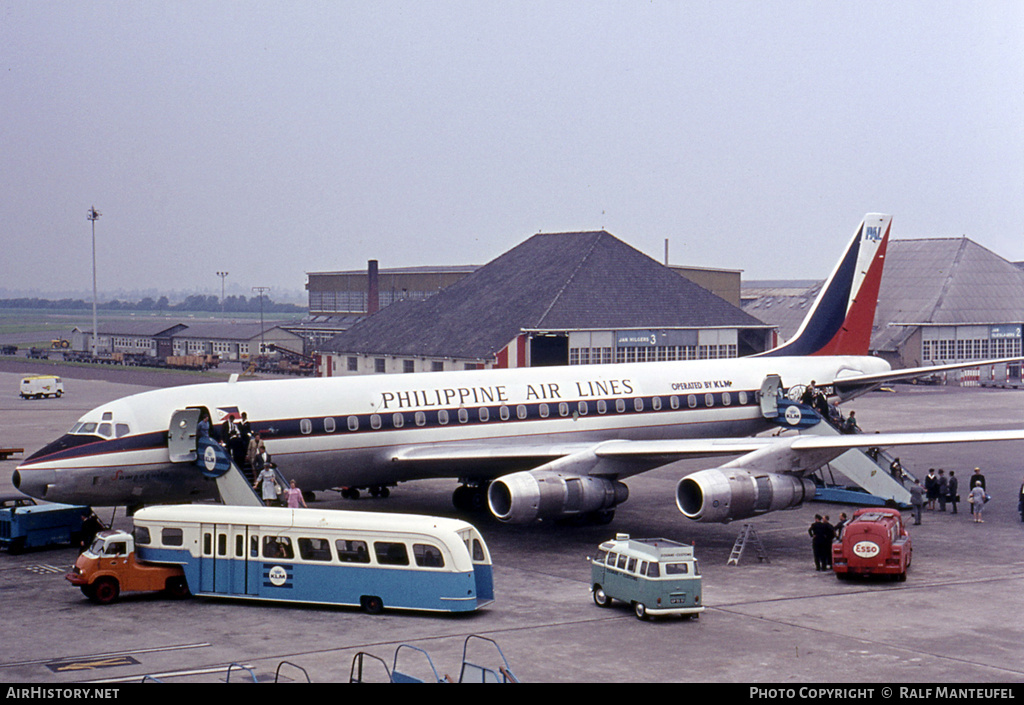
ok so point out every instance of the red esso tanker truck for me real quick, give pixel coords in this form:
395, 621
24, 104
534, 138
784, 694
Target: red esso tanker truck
874, 542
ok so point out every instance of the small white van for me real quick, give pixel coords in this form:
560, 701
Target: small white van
39, 386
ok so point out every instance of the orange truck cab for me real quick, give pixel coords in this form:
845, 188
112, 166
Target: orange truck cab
874, 542
109, 567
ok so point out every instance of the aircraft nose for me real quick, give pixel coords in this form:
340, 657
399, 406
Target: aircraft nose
32, 482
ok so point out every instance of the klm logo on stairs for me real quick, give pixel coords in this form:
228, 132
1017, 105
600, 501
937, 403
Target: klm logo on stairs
212, 459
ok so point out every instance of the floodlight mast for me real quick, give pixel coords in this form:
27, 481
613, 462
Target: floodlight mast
93, 216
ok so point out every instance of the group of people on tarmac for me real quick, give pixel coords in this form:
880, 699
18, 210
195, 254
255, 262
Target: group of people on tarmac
945, 490
823, 533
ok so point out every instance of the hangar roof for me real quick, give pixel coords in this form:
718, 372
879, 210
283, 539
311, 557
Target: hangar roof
939, 281
550, 282
944, 281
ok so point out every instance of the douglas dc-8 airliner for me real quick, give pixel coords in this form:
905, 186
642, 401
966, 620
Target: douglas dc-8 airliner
550, 442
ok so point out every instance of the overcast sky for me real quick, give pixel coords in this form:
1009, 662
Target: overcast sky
271, 139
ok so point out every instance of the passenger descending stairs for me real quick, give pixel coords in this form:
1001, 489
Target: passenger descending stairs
870, 474
232, 484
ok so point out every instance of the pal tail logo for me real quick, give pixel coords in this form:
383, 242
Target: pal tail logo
873, 233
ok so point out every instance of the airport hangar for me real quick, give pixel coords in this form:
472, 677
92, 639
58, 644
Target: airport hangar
555, 299
942, 300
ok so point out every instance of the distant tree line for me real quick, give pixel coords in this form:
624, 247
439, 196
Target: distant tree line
195, 302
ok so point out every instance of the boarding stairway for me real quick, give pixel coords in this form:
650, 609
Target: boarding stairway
871, 469
232, 484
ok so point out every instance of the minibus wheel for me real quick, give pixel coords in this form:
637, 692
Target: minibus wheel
371, 604
601, 598
641, 610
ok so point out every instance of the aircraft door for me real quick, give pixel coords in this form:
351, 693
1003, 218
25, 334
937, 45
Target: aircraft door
181, 436
770, 396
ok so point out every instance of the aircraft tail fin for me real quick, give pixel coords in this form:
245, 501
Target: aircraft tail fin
840, 321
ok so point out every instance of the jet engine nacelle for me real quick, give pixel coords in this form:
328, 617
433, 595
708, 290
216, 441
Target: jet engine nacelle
523, 497
724, 494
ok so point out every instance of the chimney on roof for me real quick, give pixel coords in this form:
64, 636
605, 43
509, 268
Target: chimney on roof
373, 288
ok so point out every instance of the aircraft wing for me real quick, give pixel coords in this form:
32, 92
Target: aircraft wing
854, 386
795, 454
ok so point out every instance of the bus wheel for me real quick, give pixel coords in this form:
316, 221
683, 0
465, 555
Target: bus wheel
371, 604
105, 591
601, 598
641, 610
178, 588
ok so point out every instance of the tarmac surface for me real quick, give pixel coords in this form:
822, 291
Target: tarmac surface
956, 620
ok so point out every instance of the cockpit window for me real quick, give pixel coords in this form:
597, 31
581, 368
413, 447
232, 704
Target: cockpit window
107, 429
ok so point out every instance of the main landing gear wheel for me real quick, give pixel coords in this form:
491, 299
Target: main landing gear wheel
470, 498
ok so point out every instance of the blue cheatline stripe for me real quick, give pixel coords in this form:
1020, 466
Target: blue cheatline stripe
367, 424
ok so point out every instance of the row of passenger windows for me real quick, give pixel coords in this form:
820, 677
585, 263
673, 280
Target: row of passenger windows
504, 413
650, 569
314, 548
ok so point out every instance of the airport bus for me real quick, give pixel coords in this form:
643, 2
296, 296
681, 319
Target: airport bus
373, 560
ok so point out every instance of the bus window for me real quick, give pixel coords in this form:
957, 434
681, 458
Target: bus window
141, 535
653, 571
352, 551
476, 549
222, 544
314, 549
277, 547
623, 558
207, 544
427, 556
677, 569
172, 537
254, 546
390, 553
239, 545
631, 566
